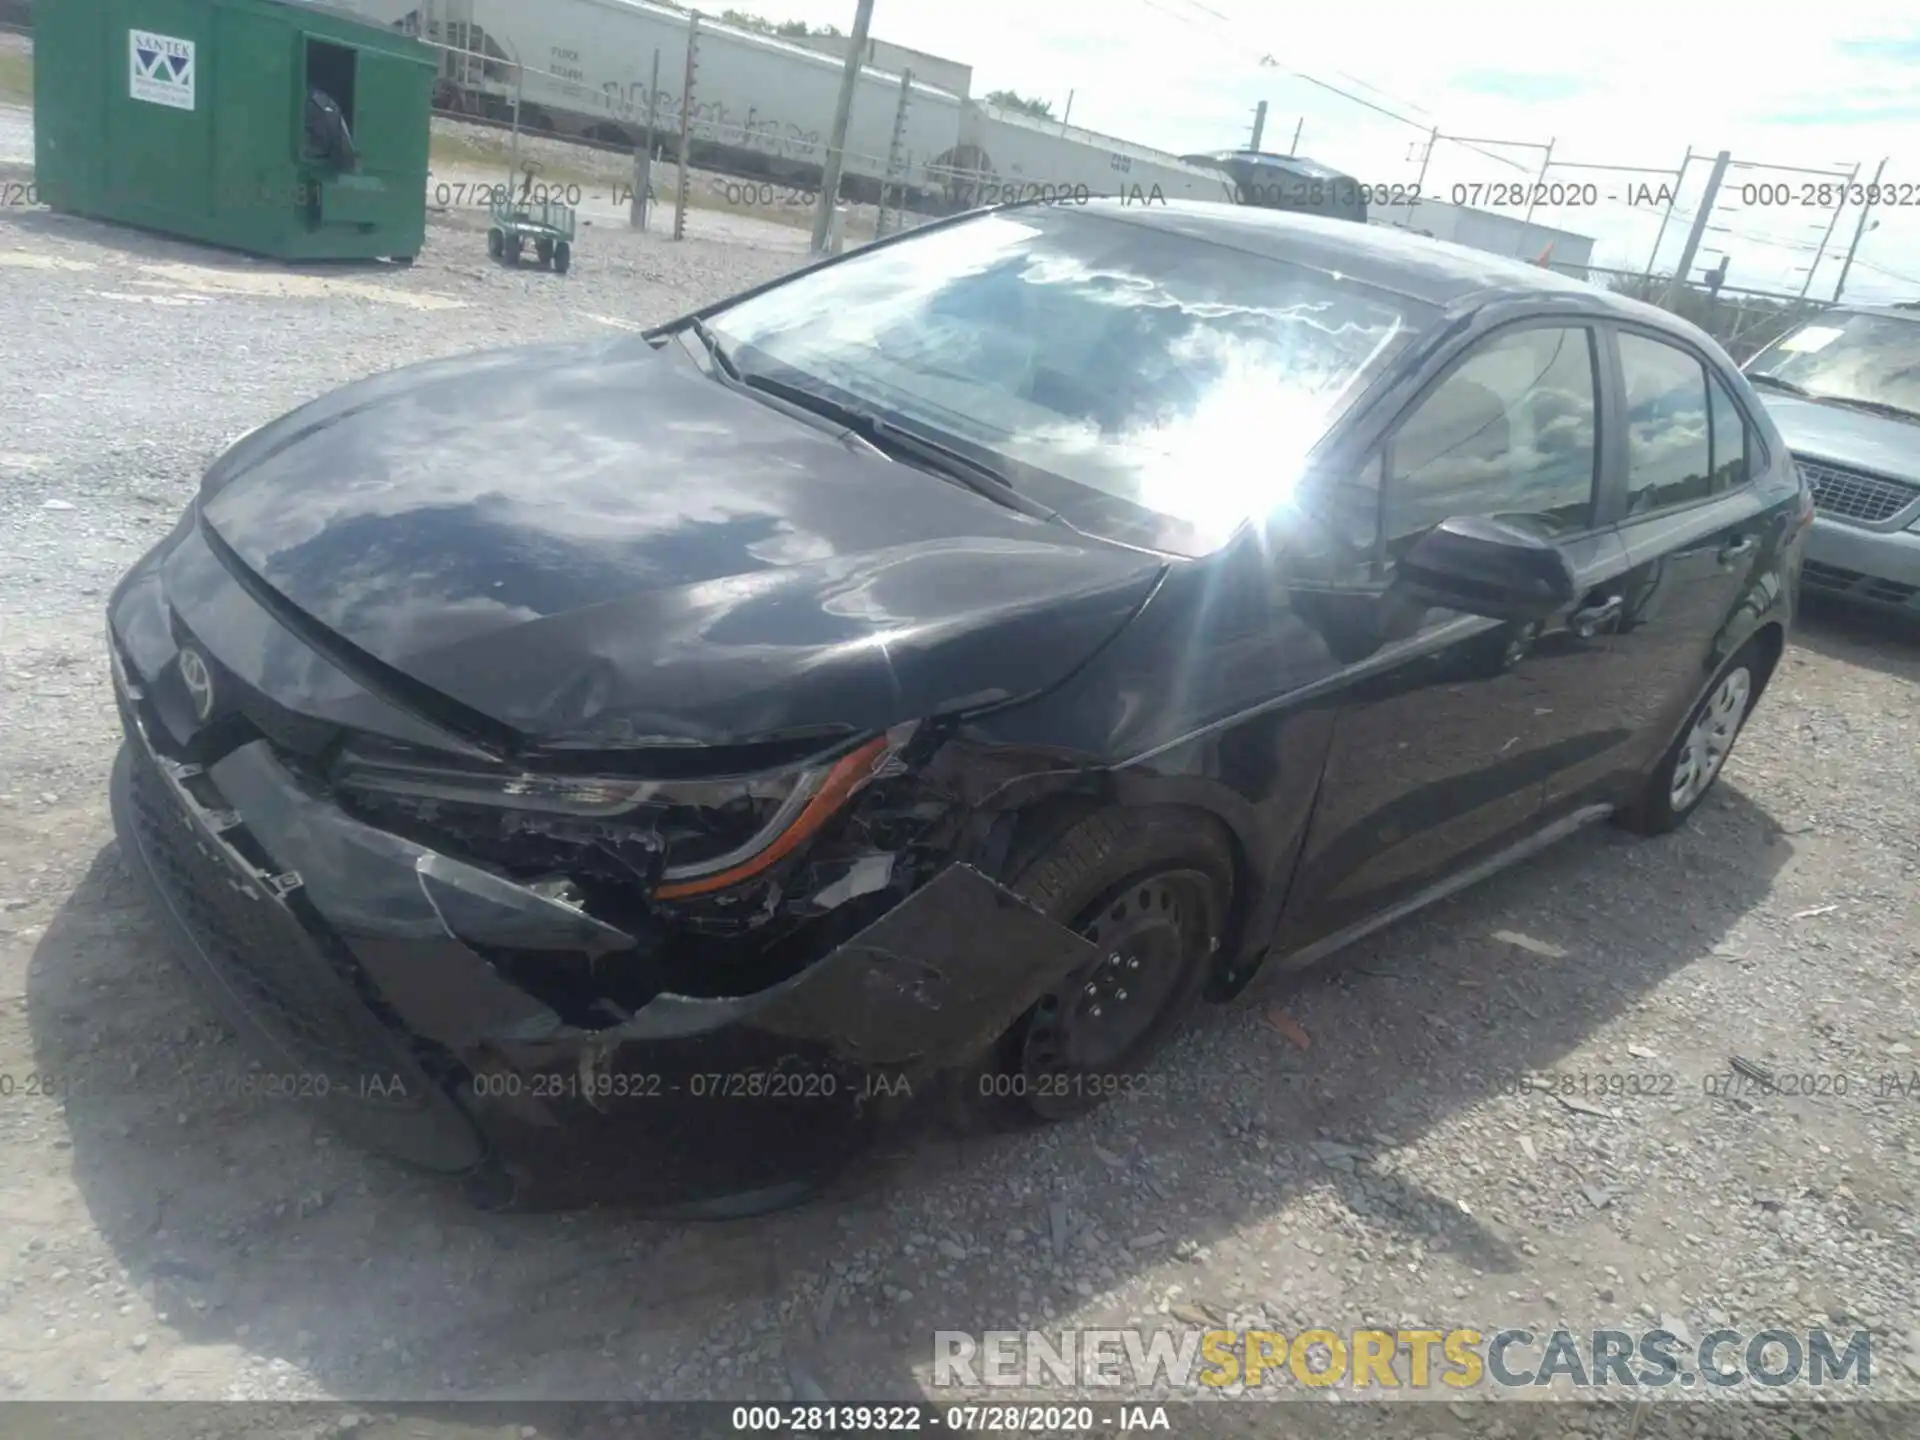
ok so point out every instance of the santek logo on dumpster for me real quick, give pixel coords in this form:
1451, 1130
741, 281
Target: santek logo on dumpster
160, 69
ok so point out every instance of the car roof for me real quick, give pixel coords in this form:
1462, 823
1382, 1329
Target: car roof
1266, 159
1438, 273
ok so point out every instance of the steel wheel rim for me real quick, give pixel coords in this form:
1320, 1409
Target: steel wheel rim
1103, 1011
1710, 738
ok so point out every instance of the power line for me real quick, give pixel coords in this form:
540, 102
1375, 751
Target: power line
1882, 270
1368, 86
1220, 24
1314, 80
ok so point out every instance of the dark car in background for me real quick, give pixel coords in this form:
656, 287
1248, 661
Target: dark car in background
1289, 182
1844, 389
913, 684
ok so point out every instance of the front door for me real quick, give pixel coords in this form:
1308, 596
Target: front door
1440, 755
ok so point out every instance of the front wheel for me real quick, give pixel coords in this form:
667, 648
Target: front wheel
562, 257
1693, 762
1148, 887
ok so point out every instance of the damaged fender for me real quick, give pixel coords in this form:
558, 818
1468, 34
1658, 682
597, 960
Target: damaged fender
925, 987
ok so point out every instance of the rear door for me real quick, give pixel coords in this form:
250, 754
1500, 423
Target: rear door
1693, 536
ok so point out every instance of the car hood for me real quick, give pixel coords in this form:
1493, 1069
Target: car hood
1847, 437
601, 545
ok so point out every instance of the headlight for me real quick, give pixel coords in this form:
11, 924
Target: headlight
716, 833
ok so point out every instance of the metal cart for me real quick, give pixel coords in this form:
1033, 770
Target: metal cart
544, 224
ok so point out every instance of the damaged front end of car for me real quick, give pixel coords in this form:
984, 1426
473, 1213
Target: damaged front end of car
699, 980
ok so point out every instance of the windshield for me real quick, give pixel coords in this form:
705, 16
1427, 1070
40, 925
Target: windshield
1172, 376
1869, 358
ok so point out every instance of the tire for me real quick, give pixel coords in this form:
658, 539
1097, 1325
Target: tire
1675, 788
1152, 888
562, 258
496, 244
543, 251
514, 247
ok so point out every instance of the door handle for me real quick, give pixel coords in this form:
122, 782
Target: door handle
1734, 549
1586, 622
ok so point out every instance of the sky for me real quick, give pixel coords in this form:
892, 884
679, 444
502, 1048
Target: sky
1822, 88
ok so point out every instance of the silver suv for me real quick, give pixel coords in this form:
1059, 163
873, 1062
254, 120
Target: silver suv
1845, 391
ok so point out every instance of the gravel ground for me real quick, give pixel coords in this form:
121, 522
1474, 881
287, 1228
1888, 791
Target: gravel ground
165, 1239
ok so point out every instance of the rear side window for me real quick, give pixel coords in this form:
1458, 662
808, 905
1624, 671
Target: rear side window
1511, 432
1669, 439
1731, 466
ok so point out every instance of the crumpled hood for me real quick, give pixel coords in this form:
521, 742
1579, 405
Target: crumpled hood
598, 544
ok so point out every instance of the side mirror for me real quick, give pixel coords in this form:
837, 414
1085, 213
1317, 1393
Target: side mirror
1482, 566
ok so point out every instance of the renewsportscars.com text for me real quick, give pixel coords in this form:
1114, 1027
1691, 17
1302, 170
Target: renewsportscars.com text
1368, 1359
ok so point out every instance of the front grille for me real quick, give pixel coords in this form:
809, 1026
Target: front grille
1854, 494
281, 972
293, 736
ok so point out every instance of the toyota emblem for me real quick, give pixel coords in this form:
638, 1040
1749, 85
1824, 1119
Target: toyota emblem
197, 676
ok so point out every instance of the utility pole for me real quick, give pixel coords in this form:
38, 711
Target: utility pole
1832, 224
1859, 230
1661, 234
1539, 184
842, 116
637, 202
1259, 124
1700, 218
893, 154
1420, 180
686, 118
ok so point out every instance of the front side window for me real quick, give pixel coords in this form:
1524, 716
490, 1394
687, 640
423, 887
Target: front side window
1156, 370
1511, 432
1669, 444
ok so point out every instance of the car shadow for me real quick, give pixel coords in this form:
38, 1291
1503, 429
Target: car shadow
247, 1226
1872, 639
156, 246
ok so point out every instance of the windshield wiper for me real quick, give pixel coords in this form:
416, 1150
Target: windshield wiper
714, 348
1779, 384
976, 475
1873, 407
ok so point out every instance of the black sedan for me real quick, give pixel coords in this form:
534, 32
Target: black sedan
653, 767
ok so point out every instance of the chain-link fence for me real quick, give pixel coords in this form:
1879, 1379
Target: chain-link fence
511, 132
1744, 321
514, 134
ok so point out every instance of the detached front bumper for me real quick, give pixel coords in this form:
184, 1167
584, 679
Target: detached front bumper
368, 974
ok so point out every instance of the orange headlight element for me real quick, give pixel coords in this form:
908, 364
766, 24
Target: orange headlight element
846, 777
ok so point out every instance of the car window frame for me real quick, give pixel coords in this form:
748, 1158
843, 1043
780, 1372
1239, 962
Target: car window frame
1380, 454
1716, 382
1759, 453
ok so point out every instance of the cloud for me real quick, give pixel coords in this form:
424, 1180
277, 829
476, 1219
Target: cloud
1518, 85
1854, 111
1903, 50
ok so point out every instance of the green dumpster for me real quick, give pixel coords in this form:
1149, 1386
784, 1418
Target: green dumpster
198, 118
